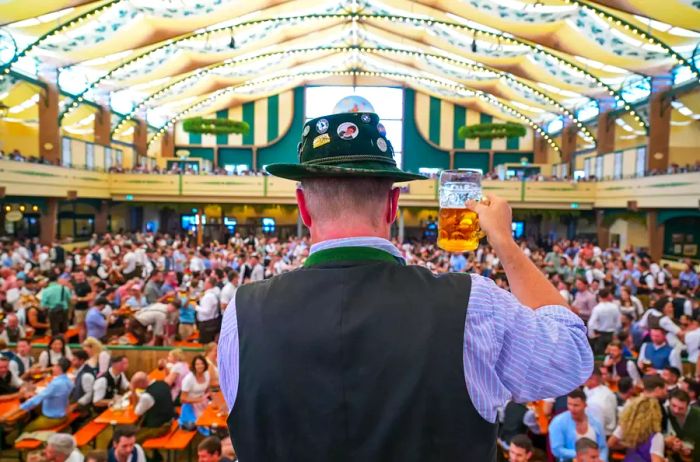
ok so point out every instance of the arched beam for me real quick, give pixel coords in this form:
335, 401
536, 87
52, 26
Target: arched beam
487, 98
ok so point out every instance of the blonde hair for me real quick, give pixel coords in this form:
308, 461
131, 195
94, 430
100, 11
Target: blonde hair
640, 419
177, 354
94, 344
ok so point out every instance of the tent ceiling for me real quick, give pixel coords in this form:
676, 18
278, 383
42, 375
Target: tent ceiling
534, 61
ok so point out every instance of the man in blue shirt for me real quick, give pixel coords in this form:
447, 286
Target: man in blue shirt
53, 400
574, 424
95, 321
458, 262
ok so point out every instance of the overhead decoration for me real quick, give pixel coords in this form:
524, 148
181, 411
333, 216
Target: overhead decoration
215, 126
491, 131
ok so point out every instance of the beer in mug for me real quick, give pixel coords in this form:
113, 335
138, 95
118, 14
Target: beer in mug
458, 227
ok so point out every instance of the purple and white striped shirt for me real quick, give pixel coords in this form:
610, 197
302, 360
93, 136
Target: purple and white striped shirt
510, 351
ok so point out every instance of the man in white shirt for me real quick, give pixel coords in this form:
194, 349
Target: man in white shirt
692, 339
155, 316
229, 290
196, 263
84, 380
129, 263
601, 401
111, 383
209, 312
61, 447
23, 361
604, 321
258, 273
661, 316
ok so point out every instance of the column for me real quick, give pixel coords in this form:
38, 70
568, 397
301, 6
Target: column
200, 228
491, 161
49, 133
452, 159
659, 123
602, 229
102, 218
48, 221
141, 138
103, 126
656, 235
254, 167
300, 225
606, 126
401, 225
540, 150
167, 144
568, 143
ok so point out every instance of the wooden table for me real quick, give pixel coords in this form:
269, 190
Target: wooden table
70, 333
158, 374
111, 417
213, 416
7, 406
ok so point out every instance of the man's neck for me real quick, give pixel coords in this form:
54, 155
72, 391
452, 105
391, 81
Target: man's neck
338, 232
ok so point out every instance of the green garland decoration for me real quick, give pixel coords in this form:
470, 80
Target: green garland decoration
215, 126
491, 130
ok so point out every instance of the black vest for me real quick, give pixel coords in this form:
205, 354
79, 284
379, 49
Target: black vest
6, 387
163, 411
513, 421
20, 364
357, 360
78, 391
13, 334
678, 307
113, 386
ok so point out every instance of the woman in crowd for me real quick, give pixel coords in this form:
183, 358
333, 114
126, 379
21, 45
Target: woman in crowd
211, 356
177, 370
55, 350
640, 431
195, 392
99, 356
629, 304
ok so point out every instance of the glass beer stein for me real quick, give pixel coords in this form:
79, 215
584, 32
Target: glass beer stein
458, 227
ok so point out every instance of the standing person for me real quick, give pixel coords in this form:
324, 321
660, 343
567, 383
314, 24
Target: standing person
657, 354
209, 313
83, 297
601, 402
604, 322
574, 424
96, 323
639, 431
433, 376
584, 299
55, 299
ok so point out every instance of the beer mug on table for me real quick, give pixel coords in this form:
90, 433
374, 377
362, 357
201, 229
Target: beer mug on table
458, 227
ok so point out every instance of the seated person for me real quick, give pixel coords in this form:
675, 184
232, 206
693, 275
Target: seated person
576, 423
154, 316
23, 364
656, 354
61, 447
683, 431
99, 357
9, 382
84, 382
195, 392
209, 450
96, 456
520, 449
13, 331
124, 447
177, 370
55, 350
588, 450
111, 383
54, 400
154, 406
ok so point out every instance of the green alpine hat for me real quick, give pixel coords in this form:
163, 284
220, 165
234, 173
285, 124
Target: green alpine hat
344, 145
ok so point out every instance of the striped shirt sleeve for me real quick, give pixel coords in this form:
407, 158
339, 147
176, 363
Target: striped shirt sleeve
228, 354
514, 352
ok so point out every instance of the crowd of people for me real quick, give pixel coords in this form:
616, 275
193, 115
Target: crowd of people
643, 322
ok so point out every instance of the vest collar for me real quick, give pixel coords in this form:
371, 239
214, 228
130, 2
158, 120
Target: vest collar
337, 254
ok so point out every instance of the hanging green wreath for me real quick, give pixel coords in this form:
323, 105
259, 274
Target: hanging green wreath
490, 130
215, 126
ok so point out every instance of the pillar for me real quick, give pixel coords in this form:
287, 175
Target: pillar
452, 159
540, 150
605, 138
491, 167
48, 221
659, 123
103, 126
167, 144
141, 138
568, 143
102, 218
254, 167
656, 235
401, 226
602, 229
300, 226
200, 228
49, 133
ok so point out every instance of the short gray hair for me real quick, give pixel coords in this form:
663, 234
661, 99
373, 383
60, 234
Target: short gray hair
330, 199
62, 443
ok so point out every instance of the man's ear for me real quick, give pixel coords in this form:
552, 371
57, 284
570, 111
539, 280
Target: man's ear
392, 205
303, 210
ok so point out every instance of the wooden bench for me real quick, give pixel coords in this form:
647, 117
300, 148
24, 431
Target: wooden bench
88, 433
176, 439
30, 444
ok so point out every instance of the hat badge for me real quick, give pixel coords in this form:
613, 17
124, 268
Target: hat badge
348, 131
322, 126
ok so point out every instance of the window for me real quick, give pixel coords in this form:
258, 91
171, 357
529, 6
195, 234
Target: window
588, 167
90, 156
108, 158
579, 175
641, 161
599, 167
564, 170
118, 157
617, 167
387, 102
66, 155
238, 169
